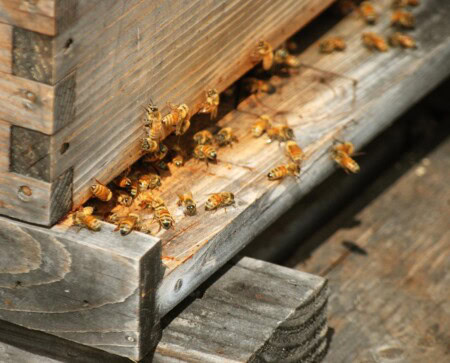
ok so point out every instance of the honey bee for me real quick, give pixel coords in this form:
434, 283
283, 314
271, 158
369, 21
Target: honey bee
341, 154
345, 7
124, 199
163, 216
374, 42
264, 52
149, 181
368, 12
178, 160
403, 40
260, 126
117, 213
152, 115
218, 200
294, 152
211, 105
127, 224
143, 200
178, 118
332, 44
225, 137
134, 189
205, 152
203, 137
101, 192
154, 133
149, 145
282, 56
157, 155
122, 181
189, 206
405, 3
84, 217
403, 19
344, 146
282, 171
254, 85
280, 133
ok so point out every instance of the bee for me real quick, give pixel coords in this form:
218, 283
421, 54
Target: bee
280, 133
211, 104
163, 217
178, 160
122, 181
260, 126
117, 213
374, 41
134, 189
127, 224
341, 154
154, 133
405, 3
225, 137
101, 191
124, 199
254, 85
294, 152
282, 171
344, 146
403, 19
144, 200
205, 152
157, 155
264, 52
368, 12
403, 40
152, 115
84, 217
188, 203
149, 181
282, 56
217, 200
203, 137
178, 118
149, 145
345, 7
332, 44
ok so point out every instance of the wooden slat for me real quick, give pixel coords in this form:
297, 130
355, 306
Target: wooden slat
5, 48
11, 354
94, 289
38, 16
252, 311
388, 83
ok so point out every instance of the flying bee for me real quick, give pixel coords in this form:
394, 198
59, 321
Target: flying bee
157, 155
332, 44
83, 217
294, 152
258, 86
124, 199
127, 224
261, 125
282, 56
403, 19
218, 200
211, 105
163, 217
280, 133
368, 12
403, 40
144, 200
151, 115
282, 171
189, 206
404, 3
149, 181
345, 161
264, 52
345, 147
117, 213
178, 118
101, 191
374, 42
203, 137
205, 152
225, 137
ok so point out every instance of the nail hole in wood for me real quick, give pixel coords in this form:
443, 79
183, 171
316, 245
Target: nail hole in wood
18, 283
85, 303
25, 193
68, 45
64, 147
178, 285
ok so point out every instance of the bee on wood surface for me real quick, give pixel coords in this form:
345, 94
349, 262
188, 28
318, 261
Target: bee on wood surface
368, 12
101, 191
124, 199
122, 181
163, 217
294, 151
280, 133
225, 137
134, 189
152, 115
159, 154
149, 181
149, 145
255, 85
144, 200
117, 213
83, 217
404, 3
127, 224
264, 52
189, 206
332, 44
161, 164
341, 154
178, 118
203, 137
282, 171
205, 152
218, 200
211, 105
403, 19
178, 158
282, 56
403, 40
261, 125
374, 42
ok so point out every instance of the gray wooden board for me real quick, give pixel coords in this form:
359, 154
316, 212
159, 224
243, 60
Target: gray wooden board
12, 354
252, 311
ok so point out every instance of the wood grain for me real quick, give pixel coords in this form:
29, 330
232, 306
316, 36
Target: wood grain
38, 16
252, 311
112, 309
319, 112
6, 48
391, 303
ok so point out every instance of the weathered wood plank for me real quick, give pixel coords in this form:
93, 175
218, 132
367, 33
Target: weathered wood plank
11, 354
387, 84
38, 16
91, 288
4, 146
5, 48
399, 286
252, 311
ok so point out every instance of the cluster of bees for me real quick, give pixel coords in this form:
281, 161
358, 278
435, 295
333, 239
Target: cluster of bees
136, 207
